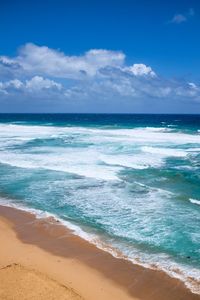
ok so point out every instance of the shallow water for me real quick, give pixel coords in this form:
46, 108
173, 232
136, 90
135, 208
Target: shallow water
129, 183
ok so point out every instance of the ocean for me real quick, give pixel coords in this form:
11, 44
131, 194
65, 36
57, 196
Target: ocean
128, 183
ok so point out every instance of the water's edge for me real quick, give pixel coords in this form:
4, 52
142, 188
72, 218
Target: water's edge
192, 284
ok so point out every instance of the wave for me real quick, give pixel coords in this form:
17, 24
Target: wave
128, 211
146, 134
190, 277
135, 161
90, 162
194, 201
99, 153
82, 163
195, 149
165, 151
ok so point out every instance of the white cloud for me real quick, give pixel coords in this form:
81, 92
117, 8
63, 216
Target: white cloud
181, 18
193, 85
11, 83
190, 90
35, 84
45, 73
6, 60
35, 60
39, 83
101, 58
42, 60
140, 70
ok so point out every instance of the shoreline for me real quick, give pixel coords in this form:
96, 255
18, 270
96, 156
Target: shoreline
50, 248
190, 282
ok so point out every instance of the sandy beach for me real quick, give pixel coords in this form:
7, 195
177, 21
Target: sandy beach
42, 259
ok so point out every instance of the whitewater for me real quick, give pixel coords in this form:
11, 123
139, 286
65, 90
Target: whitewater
129, 184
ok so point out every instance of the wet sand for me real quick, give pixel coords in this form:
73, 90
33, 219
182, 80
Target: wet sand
68, 266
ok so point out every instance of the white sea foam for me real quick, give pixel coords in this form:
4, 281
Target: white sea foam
195, 201
139, 152
190, 277
83, 163
165, 151
135, 161
171, 125
195, 149
44, 214
150, 134
107, 152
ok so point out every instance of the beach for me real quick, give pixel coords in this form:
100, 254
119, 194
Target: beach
42, 259
99, 206
99, 150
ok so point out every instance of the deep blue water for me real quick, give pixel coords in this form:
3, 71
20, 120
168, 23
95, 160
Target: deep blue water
116, 120
130, 183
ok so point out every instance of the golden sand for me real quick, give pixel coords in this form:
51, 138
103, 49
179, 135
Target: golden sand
18, 282
41, 259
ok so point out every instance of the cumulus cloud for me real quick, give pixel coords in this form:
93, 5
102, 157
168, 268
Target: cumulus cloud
140, 70
6, 61
11, 83
34, 85
33, 59
97, 75
39, 83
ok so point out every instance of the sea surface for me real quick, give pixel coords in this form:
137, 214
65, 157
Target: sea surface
128, 183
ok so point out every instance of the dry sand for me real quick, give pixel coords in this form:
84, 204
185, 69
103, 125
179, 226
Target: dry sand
18, 282
41, 259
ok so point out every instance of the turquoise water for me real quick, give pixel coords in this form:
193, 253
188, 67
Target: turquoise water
128, 183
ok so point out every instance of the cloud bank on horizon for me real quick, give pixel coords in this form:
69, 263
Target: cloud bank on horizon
43, 79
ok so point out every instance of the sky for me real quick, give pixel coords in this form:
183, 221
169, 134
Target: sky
100, 56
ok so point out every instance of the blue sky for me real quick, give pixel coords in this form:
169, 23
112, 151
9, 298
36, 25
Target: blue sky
100, 56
